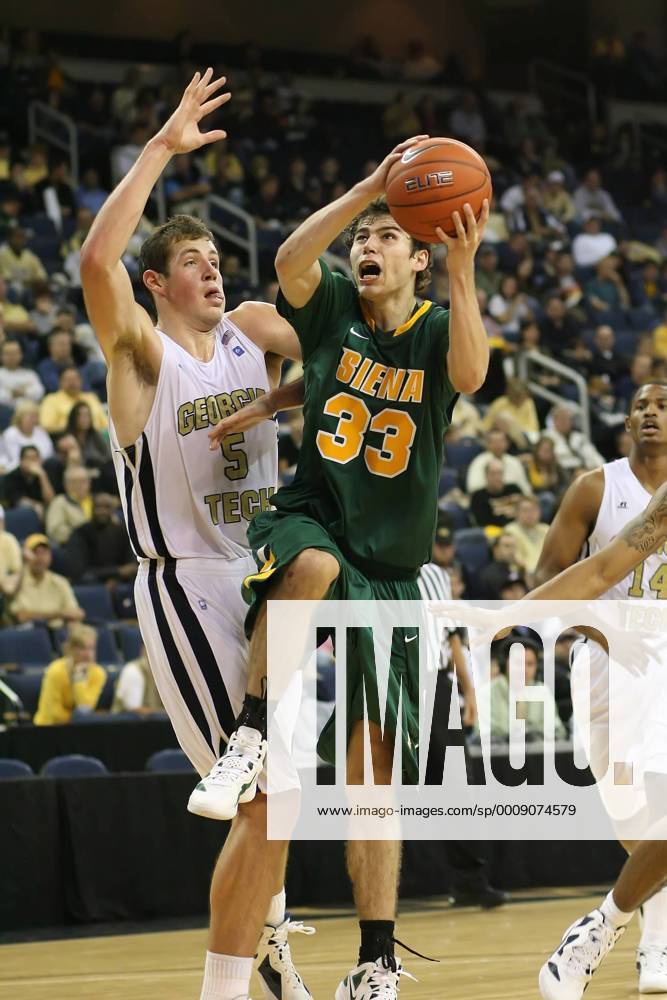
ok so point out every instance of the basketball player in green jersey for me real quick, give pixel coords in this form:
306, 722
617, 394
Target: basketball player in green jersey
382, 373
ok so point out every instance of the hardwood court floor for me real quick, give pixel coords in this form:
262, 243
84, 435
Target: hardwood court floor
484, 956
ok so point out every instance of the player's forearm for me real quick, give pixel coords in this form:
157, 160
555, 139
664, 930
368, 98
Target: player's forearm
468, 355
309, 241
121, 213
285, 397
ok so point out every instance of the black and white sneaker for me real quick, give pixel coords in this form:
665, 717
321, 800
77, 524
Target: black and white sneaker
372, 981
233, 778
570, 969
278, 975
652, 968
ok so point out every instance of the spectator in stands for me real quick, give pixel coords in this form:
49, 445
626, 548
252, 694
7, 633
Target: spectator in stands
25, 430
660, 337
497, 444
544, 473
90, 194
532, 713
532, 219
648, 287
56, 406
510, 306
573, 449
28, 484
487, 276
420, 65
99, 551
70, 509
43, 596
16, 320
606, 292
296, 189
17, 384
267, 206
67, 455
559, 330
592, 244
466, 121
61, 355
496, 503
57, 193
20, 267
11, 564
605, 360
95, 450
514, 413
135, 688
640, 372
444, 554
496, 227
466, 419
124, 155
556, 199
591, 197
504, 563
44, 310
400, 119
186, 186
72, 684
529, 532
566, 284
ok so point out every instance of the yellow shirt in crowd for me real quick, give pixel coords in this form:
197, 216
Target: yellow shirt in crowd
56, 406
61, 693
49, 597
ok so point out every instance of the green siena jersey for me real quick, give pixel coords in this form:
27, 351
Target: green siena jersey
376, 408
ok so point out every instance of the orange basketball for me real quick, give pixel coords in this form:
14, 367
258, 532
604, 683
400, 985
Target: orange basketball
433, 179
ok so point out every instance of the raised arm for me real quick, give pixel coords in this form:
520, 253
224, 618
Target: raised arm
468, 354
106, 284
297, 260
593, 576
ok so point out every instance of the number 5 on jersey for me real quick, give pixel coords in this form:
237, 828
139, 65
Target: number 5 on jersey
354, 419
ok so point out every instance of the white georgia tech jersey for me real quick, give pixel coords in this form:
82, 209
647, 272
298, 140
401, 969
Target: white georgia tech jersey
623, 499
180, 499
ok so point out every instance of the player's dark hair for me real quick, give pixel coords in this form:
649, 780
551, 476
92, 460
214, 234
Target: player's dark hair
154, 253
649, 381
373, 211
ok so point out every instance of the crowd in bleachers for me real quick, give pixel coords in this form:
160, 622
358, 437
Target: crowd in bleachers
574, 266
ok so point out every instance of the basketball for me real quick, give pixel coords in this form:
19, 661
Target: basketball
432, 180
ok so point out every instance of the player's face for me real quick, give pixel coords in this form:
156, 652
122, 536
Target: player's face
647, 422
193, 286
382, 258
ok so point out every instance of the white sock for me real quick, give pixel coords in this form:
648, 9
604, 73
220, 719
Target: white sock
654, 931
617, 918
276, 913
226, 977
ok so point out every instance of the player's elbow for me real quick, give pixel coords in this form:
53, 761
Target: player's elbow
468, 381
282, 262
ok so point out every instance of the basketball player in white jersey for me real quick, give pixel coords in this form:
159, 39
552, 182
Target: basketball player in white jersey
187, 507
596, 508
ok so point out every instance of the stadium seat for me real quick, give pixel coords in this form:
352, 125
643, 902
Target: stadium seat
107, 650
643, 318
14, 769
6, 414
21, 522
130, 642
169, 760
95, 600
27, 686
449, 480
459, 517
626, 342
472, 549
460, 454
73, 765
123, 600
28, 647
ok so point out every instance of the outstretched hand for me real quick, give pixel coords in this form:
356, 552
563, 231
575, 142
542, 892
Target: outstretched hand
181, 133
241, 420
375, 184
461, 249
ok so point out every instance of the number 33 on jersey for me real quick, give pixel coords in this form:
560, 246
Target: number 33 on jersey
377, 404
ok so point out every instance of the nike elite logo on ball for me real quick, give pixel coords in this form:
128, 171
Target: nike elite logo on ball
437, 178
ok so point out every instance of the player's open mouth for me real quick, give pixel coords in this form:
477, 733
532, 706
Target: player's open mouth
650, 425
369, 271
215, 296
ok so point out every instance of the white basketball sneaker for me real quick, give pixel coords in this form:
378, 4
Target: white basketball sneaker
233, 778
278, 976
652, 969
570, 969
372, 981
